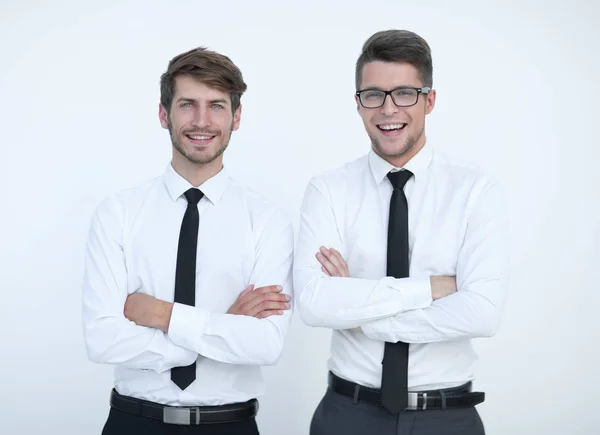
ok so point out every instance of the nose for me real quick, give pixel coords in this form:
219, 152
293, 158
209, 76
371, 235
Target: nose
389, 108
201, 118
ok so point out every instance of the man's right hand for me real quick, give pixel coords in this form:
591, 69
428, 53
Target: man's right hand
262, 302
442, 286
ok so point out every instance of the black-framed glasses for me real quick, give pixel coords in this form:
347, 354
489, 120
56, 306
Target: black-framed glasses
402, 97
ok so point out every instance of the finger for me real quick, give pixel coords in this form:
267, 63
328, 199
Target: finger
325, 270
336, 254
340, 262
333, 259
257, 304
254, 305
270, 289
331, 269
272, 297
268, 313
269, 305
249, 296
247, 290
328, 265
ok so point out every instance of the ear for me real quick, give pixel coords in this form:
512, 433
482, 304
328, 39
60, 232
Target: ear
430, 102
163, 115
236, 118
357, 103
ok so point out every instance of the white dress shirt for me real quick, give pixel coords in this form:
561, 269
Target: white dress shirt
457, 227
243, 239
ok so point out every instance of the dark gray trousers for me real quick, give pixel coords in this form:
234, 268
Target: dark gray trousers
338, 414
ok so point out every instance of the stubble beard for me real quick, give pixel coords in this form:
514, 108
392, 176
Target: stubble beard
406, 149
201, 159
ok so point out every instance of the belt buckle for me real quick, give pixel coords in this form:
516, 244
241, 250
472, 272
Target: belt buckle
413, 401
172, 415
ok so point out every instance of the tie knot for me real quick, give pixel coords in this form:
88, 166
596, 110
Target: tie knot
399, 178
193, 196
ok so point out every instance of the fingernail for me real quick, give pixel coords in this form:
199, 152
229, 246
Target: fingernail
288, 297
279, 287
287, 305
280, 312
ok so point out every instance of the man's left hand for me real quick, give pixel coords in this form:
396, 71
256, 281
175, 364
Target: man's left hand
146, 310
332, 262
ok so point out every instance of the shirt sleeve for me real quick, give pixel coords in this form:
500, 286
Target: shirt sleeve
482, 273
238, 339
338, 302
110, 337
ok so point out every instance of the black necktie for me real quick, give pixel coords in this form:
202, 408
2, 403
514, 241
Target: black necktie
394, 381
185, 274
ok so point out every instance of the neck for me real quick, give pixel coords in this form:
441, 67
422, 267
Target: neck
196, 173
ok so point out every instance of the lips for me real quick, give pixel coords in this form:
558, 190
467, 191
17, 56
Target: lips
200, 139
389, 129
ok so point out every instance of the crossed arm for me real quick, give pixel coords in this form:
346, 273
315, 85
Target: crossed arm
390, 310
141, 332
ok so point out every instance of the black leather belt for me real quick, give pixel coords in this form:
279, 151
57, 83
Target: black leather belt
457, 397
186, 415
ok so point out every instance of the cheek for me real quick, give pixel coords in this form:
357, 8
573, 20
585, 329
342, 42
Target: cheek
413, 117
181, 125
224, 118
182, 118
368, 121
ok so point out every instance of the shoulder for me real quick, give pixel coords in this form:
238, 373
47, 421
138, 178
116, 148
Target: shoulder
264, 213
480, 189
463, 174
122, 202
339, 179
458, 166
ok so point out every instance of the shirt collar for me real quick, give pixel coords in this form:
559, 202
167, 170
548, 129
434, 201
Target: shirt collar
213, 188
417, 165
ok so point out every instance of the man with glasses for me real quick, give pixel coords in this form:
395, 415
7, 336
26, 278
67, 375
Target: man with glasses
402, 253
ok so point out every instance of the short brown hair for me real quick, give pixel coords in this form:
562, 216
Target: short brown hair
211, 68
397, 46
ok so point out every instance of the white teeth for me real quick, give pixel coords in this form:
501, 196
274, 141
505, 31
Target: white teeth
200, 137
391, 126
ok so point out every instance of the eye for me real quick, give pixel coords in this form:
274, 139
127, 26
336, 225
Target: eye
188, 104
405, 92
372, 95
217, 106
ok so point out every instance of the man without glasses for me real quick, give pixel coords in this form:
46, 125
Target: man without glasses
188, 276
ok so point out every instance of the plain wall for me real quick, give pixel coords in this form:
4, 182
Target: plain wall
518, 92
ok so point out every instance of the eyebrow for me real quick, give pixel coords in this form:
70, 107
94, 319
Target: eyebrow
191, 100
218, 100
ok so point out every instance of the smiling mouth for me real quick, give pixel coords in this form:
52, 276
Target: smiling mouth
200, 139
391, 127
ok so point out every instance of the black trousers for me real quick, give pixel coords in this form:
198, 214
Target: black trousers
339, 414
122, 423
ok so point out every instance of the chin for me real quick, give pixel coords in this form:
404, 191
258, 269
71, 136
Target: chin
392, 150
202, 158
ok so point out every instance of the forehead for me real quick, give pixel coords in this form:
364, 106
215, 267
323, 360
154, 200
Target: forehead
193, 88
388, 75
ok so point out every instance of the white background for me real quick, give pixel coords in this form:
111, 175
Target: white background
518, 93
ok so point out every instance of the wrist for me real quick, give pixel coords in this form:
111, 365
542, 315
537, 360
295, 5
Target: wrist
162, 315
434, 293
